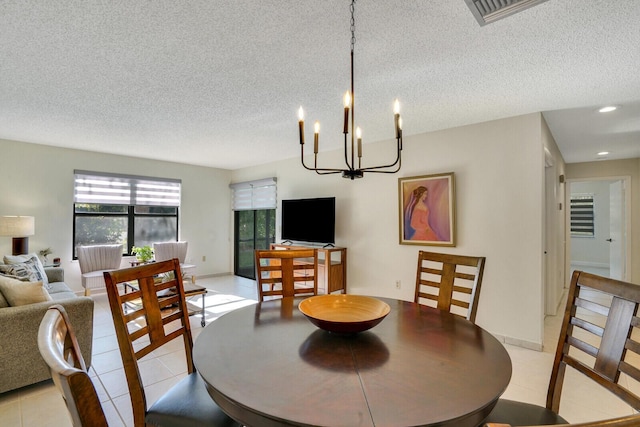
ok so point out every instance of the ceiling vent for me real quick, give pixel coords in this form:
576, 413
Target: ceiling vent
488, 11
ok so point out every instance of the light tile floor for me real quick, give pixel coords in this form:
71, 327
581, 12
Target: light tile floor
40, 405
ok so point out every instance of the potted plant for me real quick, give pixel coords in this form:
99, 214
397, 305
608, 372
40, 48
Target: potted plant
45, 253
143, 254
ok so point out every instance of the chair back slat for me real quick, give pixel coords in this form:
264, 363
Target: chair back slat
147, 316
599, 337
286, 273
614, 338
452, 281
60, 350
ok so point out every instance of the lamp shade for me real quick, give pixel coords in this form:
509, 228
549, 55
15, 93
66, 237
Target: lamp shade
17, 226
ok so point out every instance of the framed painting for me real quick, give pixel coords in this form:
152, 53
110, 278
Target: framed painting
427, 209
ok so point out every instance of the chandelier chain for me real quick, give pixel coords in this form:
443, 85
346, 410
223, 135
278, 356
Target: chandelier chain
353, 24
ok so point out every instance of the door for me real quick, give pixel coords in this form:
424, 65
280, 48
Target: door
616, 230
253, 229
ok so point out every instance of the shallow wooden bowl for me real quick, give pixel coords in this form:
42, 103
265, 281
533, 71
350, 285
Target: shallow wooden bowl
344, 314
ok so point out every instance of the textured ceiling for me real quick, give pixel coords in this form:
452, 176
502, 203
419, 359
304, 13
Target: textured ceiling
218, 82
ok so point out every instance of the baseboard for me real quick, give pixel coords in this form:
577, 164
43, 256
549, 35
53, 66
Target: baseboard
589, 264
529, 345
207, 276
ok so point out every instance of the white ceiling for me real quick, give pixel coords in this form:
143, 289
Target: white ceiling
218, 82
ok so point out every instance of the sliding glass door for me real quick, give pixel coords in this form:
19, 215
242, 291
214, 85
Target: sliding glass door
254, 229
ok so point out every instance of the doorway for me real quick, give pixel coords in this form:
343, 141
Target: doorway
253, 229
599, 225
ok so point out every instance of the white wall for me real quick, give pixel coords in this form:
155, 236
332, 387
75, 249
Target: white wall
554, 225
499, 170
37, 180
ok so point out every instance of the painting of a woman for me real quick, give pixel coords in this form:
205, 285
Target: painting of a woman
418, 217
427, 210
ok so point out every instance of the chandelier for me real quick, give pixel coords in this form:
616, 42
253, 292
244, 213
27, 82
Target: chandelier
354, 167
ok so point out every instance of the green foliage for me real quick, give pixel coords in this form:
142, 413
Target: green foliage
100, 229
143, 254
45, 252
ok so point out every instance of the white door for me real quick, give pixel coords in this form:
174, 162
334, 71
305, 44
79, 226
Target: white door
616, 230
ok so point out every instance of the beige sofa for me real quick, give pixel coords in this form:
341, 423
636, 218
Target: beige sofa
20, 361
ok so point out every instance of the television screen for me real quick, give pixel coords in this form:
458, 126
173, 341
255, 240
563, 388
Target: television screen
309, 220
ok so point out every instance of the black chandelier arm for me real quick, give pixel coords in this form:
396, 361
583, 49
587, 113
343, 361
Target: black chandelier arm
319, 171
398, 161
373, 170
332, 171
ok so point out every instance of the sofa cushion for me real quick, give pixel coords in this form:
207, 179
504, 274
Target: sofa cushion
59, 291
18, 293
57, 287
3, 301
25, 267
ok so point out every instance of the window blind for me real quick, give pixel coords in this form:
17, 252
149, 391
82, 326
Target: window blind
582, 216
253, 195
115, 189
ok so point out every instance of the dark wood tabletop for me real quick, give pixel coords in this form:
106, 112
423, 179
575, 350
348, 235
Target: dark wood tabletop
267, 365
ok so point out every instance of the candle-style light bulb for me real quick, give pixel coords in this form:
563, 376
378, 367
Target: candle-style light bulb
347, 103
359, 138
396, 117
316, 135
301, 124
347, 99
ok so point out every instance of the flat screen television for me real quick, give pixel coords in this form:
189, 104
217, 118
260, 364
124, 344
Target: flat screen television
309, 220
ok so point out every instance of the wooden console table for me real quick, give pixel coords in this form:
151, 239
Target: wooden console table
332, 266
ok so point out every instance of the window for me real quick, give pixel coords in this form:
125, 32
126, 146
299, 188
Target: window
582, 216
124, 209
254, 204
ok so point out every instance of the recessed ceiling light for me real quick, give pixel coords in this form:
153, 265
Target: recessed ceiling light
603, 153
608, 109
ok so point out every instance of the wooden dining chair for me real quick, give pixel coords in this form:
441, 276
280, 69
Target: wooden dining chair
449, 282
600, 339
145, 319
286, 273
60, 350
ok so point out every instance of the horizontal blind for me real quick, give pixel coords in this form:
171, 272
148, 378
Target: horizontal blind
131, 190
582, 215
253, 195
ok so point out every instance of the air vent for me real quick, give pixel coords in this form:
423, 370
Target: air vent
488, 11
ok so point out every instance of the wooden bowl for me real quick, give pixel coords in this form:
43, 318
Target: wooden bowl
346, 314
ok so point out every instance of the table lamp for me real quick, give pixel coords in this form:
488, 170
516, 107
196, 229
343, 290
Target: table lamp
18, 227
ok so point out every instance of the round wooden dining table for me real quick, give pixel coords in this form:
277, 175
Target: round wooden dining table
268, 365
